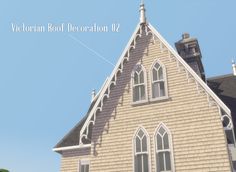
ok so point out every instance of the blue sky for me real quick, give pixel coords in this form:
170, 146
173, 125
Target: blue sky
46, 79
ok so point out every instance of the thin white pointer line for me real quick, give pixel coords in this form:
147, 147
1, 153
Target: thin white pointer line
91, 50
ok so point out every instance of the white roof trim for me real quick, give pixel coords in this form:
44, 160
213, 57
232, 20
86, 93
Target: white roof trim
109, 81
95, 98
190, 70
71, 148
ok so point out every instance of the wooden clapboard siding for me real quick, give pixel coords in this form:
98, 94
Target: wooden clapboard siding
198, 138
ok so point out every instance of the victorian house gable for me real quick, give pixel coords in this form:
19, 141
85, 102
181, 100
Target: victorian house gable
154, 113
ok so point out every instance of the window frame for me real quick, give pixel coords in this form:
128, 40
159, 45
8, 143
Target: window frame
83, 162
170, 146
164, 80
145, 85
148, 147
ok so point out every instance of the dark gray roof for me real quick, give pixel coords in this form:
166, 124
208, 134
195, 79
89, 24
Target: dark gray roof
73, 137
225, 88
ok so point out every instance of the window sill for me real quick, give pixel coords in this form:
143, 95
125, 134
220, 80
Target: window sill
160, 99
141, 102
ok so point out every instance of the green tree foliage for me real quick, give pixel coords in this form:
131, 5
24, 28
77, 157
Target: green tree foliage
3, 170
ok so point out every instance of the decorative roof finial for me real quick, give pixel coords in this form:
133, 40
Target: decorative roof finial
93, 94
234, 67
142, 13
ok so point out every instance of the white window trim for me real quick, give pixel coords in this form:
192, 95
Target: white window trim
170, 145
145, 84
148, 147
83, 162
164, 79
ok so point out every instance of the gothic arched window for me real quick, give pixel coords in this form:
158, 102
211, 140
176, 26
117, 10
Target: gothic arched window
141, 160
164, 152
158, 81
139, 84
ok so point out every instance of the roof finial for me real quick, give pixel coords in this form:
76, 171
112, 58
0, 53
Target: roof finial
93, 94
234, 67
142, 13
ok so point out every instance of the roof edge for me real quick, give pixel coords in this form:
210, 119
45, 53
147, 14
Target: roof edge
71, 147
220, 76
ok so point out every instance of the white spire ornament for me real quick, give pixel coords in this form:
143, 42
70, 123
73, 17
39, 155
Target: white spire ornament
93, 95
142, 13
234, 67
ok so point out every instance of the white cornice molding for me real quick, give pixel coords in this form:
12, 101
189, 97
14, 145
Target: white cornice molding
71, 148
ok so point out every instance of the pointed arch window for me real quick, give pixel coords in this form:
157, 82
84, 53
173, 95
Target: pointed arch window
164, 152
141, 160
139, 84
158, 78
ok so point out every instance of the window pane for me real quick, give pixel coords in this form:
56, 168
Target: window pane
229, 136
159, 142
160, 74
136, 94
142, 89
234, 165
140, 133
154, 74
144, 144
136, 78
138, 163
160, 162
162, 131
162, 89
88, 168
82, 168
145, 163
155, 90
166, 141
157, 65
138, 145
85, 168
168, 163
226, 122
138, 68
141, 77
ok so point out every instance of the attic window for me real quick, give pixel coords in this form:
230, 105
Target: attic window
139, 84
158, 79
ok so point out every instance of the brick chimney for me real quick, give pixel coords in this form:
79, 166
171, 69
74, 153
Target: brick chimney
188, 48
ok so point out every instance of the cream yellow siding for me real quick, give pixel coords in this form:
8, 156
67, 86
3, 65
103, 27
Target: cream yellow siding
199, 143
